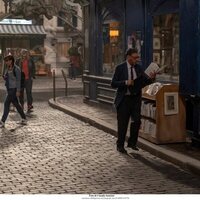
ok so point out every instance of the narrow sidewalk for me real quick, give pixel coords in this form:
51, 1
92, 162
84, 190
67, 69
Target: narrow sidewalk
182, 155
45, 83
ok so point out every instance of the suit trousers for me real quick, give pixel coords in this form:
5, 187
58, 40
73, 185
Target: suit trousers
129, 108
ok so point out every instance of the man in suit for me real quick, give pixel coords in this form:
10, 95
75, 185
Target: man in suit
129, 79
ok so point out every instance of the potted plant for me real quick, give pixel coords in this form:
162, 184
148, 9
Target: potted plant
73, 51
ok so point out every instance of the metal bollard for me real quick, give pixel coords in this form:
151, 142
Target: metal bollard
54, 85
66, 84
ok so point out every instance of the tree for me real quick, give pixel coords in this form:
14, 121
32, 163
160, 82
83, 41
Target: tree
32, 9
36, 9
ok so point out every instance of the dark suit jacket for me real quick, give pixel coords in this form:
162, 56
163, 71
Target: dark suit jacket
119, 81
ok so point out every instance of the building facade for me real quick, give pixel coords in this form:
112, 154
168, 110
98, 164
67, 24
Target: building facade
17, 34
48, 40
61, 36
164, 31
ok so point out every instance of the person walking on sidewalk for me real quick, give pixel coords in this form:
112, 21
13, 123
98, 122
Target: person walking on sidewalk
75, 65
12, 79
27, 65
129, 79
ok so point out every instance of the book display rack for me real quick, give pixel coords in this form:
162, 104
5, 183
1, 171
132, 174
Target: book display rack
163, 114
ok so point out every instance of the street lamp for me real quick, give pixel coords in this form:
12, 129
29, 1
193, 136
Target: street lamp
114, 33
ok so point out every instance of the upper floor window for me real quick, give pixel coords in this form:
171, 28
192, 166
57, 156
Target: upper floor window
60, 21
74, 21
166, 43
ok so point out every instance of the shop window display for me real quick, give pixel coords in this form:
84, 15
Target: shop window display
37, 55
166, 44
112, 47
134, 41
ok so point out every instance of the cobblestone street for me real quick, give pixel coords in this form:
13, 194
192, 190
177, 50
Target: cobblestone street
58, 154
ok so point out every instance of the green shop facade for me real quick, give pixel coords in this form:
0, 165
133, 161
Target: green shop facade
164, 31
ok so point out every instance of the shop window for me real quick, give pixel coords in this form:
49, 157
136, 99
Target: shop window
166, 43
135, 41
112, 47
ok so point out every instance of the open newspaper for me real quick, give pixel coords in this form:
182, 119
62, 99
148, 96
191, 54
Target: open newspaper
153, 68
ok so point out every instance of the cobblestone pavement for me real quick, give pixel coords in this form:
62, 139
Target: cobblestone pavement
43, 88
58, 154
46, 83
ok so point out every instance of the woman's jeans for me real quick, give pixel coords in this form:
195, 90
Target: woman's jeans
12, 98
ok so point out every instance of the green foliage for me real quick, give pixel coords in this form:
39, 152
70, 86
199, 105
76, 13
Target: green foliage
81, 2
73, 51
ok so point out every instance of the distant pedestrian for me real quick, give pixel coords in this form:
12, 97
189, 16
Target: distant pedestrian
129, 79
12, 77
74, 66
27, 65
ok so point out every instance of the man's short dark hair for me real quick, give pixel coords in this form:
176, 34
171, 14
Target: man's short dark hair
130, 51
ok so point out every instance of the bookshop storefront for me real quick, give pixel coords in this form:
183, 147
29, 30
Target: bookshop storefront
150, 26
163, 31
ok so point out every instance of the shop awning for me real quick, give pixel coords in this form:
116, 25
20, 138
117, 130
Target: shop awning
8, 29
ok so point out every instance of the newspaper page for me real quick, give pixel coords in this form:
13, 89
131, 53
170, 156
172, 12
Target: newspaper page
152, 68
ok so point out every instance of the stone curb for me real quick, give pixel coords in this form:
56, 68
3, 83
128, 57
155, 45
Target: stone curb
185, 162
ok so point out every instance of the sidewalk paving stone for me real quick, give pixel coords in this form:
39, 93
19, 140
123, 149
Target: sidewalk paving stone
182, 154
58, 154
83, 162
